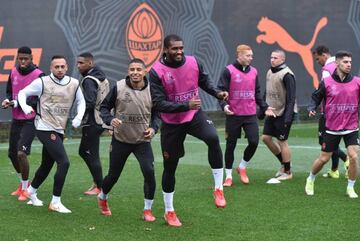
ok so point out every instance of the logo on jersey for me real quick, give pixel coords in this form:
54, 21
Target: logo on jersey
210, 122
169, 79
144, 35
127, 98
237, 78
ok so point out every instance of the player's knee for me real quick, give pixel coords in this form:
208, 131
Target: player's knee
97, 165
82, 153
324, 158
283, 144
353, 157
266, 139
65, 165
212, 140
230, 143
149, 178
148, 170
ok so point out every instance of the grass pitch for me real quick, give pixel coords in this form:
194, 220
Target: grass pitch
257, 211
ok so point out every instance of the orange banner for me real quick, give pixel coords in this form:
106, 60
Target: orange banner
8, 58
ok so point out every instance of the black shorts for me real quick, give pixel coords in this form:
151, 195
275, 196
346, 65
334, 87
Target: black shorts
22, 133
234, 124
276, 127
173, 135
331, 142
321, 129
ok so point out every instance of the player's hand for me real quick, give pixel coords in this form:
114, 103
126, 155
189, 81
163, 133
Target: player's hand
149, 133
269, 112
227, 110
194, 104
312, 113
5, 104
27, 109
222, 95
116, 122
76, 122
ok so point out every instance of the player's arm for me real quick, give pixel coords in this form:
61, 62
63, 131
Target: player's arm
207, 85
33, 89
155, 120
80, 108
90, 92
33, 101
6, 103
290, 86
107, 105
223, 84
258, 98
316, 98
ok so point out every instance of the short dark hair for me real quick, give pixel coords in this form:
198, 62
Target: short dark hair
57, 57
342, 53
138, 61
24, 50
86, 55
169, 38
321, 49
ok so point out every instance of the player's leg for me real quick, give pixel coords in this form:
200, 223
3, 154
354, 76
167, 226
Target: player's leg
203, 128
145, 156
232, 133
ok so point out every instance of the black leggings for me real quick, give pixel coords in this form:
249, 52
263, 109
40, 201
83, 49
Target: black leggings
53, 151
252, 135
119, 153
89, 151
335, 158
172, 144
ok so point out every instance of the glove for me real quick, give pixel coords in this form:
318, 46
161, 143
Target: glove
76, 122
27, 109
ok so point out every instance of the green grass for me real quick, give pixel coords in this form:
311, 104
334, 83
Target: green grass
258, 211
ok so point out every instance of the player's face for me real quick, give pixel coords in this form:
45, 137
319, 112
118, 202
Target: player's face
58, 67
24, 60
84, 65
245, 57
320, 59
175, 52
136, 72
276, 59
344, 64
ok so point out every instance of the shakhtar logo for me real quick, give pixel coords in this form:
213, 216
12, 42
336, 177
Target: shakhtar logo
144, 35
